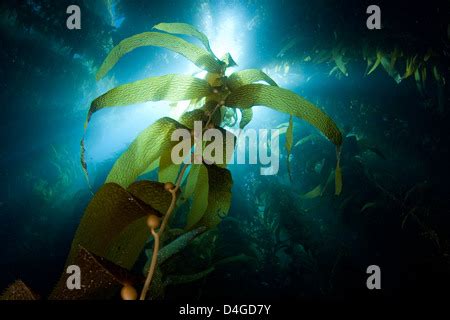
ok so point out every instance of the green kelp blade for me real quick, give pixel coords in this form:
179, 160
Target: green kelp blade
200, 57
246, 117
199, 203
411, 66
229, 139
185, 29
146, 148
283, 125
153, 166
219, 196
291, 43
84, 164
228, 60
286, 101
418, 80
110, 211
191, 181
341, 65
188, 118
225, 146
376, 64
367, 206
309, 138
168, 171
331, 177
338, 173
424, 75
338, 57
171, 87
313, 193
333, 70
281, 130
289, 143
390, 69
338, 181
243, 77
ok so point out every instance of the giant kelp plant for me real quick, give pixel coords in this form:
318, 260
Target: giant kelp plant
116, 223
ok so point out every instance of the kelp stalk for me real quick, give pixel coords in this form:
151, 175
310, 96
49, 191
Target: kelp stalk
152, 265
156, 235
173, 189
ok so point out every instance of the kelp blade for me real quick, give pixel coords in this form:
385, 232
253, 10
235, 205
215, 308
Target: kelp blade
227, 143
110, 211
228, 60
289, 143
145, 149
126, 247
246, 117
219, 196
309, 138
338, 180
243, 77
168, 171
200, 197
184, 29
314, 193
171, 87
200, 57
191, 181
338, 173
151, 193
285, 101
376, 64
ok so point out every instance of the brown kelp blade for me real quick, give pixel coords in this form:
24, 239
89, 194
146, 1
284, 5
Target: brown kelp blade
100, 279
111, 211
18, 290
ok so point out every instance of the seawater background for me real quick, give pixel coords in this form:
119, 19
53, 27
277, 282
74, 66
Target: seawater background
47, 82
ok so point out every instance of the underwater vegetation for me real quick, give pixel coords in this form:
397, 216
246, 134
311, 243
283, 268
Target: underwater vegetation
397, 63
340, 54
115, 227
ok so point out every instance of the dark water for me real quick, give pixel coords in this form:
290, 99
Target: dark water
394, 210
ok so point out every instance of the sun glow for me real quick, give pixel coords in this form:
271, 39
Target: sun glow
225, 31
